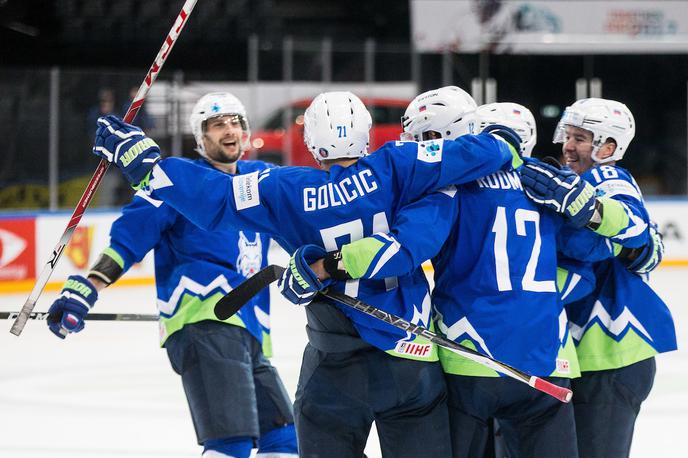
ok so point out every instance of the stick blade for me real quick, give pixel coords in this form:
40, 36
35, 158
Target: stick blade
236, 298
22, 317
19, 323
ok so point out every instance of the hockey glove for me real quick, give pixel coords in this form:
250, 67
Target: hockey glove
511, 138
560, 190
127, 147
505, 133
645, 259
67, 313
299, 284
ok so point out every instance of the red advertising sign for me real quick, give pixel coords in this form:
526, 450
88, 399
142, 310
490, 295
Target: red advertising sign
79, 248
17, 249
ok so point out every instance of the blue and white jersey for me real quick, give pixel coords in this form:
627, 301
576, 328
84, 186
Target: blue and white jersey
622, 321
301, 205
495, 275
629, 220
193, 267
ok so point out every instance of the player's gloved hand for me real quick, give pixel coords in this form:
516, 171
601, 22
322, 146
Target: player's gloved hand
645, 259
511, 138
559, 189
67, 313
507, 134
127, 147
299, 284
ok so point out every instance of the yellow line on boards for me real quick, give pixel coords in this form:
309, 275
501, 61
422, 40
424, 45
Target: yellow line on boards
21, 286
427, 267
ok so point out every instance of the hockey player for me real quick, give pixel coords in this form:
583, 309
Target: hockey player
622, 324
495, 287
356, 369
246, 401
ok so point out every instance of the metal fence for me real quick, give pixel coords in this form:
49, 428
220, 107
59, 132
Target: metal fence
47, 116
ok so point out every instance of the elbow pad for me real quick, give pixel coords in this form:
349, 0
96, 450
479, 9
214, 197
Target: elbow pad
108, 268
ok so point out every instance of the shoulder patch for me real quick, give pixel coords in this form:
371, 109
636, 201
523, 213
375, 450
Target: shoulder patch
430, 151
611, 188
246, 194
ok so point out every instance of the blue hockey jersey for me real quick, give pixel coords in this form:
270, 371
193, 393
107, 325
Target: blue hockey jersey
193, 267
622, 321
496, 273
300, 206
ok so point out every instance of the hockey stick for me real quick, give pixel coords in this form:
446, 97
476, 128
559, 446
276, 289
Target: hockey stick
273, 272
556, 391
89, 317
90, 190
229, 304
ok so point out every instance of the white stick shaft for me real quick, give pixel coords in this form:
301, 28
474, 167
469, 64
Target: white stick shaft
134, 108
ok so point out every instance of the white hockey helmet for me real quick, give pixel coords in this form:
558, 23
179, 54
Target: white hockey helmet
513, 115
447, 111
337, 125
217, 104
604, 119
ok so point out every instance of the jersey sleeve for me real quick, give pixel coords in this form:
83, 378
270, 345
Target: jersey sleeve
624, 217
575, 279
583, 244
418, 233
214, 200
138, 230
425, 167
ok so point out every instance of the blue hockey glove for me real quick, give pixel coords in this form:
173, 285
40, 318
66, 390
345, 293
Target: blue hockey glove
559, 189
645, 259
299, 284
127, 147
67, 313
511, 138
505, 133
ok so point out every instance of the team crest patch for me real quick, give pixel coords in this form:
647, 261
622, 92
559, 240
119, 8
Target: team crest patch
414, 349
246, 193
430, 151
250, 255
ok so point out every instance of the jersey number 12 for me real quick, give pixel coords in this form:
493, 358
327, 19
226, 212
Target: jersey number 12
501, 231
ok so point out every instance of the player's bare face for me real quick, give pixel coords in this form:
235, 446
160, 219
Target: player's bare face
577, 149
223, 138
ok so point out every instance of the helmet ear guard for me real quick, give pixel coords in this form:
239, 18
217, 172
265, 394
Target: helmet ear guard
604, 119
217, 104
337, 125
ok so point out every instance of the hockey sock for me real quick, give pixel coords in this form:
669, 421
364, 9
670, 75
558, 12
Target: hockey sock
236, 447
278, 440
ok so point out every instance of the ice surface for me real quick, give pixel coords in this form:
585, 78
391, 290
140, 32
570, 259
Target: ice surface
110, 392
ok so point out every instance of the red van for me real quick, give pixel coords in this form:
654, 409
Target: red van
284, 145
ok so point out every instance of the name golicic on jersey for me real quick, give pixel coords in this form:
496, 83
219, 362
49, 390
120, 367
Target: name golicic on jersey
339, 193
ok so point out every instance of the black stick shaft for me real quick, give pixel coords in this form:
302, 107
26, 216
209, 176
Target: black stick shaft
89, 317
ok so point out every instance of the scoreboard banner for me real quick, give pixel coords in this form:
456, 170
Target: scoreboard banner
550, 27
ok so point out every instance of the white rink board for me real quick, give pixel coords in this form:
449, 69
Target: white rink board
109, 391
97, 223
